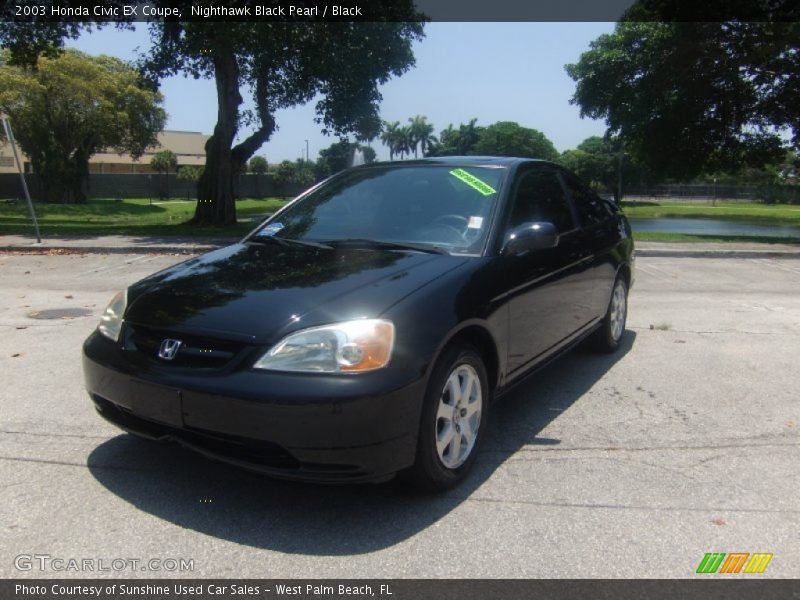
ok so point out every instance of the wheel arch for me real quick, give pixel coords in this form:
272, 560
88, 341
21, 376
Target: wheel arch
624, 269
477, 335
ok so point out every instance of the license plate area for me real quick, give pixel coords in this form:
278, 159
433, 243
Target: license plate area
156, 403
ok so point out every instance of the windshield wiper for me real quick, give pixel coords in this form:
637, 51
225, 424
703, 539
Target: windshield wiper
367, 243
266, 239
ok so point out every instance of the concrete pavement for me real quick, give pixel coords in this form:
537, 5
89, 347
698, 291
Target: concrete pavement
112, 244
632, 465
108, 244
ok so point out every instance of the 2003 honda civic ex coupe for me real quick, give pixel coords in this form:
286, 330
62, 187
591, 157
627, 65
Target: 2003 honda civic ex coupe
365, 328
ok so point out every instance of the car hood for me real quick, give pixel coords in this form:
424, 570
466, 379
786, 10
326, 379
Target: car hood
258, 293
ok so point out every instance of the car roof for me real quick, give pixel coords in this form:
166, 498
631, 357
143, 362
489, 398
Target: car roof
474, 161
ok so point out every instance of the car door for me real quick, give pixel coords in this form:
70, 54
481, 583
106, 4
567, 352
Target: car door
600, 234
547, 287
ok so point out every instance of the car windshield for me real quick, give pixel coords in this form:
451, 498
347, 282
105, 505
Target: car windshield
439, 207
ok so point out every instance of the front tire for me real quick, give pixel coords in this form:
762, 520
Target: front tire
453, 419
609, 335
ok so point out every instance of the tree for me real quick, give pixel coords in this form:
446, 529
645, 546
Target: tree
339, 156
287, 174
303, 173
595, 160
689, 97
420, 134
258, 165
601, 161
72, 106
370, 156
27, 41
281, 64
390, 134
405, 141
457, 142
191, 174
468, 136
507, 138
164, 162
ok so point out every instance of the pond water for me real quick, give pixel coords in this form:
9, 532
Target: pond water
714, 226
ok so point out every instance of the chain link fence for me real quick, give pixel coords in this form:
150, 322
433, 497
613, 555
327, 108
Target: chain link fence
152, 186
710, 193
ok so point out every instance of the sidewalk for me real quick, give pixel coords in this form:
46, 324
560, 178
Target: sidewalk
120, 244
176, 245
717, 250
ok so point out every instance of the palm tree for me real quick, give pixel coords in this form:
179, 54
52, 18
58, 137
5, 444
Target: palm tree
164, 162
405, 141
389, 137
468, 136
421, 134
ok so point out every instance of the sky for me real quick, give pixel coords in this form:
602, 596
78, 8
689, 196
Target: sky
489, 71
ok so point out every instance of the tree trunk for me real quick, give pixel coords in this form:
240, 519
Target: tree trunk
215, 189
62, 182
215, 199
79, 171
50, 190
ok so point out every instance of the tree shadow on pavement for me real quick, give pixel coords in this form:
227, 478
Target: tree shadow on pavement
220, 501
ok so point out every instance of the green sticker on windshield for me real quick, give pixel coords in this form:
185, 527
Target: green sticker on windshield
473, 182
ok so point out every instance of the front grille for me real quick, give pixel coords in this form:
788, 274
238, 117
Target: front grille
195, 351
247, 450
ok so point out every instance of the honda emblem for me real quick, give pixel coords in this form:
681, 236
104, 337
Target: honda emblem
169, 348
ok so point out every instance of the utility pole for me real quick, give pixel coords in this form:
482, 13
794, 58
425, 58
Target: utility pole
714, 201
306, 150
619, 178
10, 137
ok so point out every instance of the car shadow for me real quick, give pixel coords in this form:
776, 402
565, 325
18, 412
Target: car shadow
220, 501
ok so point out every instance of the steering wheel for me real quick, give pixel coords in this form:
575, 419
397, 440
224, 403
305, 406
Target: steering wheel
456, 226
457, 222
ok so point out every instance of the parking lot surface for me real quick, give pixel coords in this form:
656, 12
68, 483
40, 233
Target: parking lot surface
631, 465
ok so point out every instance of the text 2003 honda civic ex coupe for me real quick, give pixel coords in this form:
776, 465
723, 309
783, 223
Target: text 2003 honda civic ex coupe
366, 327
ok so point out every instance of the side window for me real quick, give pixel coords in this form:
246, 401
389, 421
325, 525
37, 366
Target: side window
540, 197
591, 208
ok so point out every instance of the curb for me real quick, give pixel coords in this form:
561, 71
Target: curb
666, 253
199, 249
109, 249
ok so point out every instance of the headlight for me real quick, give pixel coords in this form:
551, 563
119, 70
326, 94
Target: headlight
111, 321
350, 347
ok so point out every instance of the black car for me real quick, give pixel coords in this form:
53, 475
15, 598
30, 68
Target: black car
366, 327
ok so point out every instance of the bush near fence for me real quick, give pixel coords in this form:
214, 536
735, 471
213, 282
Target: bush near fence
708, 192
154, 186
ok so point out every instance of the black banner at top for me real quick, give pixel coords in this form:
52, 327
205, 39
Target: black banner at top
109, 11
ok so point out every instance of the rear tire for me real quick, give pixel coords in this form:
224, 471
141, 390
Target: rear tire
608, 337
453, 419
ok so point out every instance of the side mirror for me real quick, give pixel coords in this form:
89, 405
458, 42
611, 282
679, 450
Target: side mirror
531, 236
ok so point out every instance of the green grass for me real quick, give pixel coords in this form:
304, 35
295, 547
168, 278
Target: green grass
785, 214
138, 217
129, 217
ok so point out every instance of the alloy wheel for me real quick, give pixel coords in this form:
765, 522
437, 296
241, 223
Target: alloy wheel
619, 307
458, 416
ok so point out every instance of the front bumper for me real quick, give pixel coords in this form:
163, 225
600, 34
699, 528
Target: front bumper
323, 428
